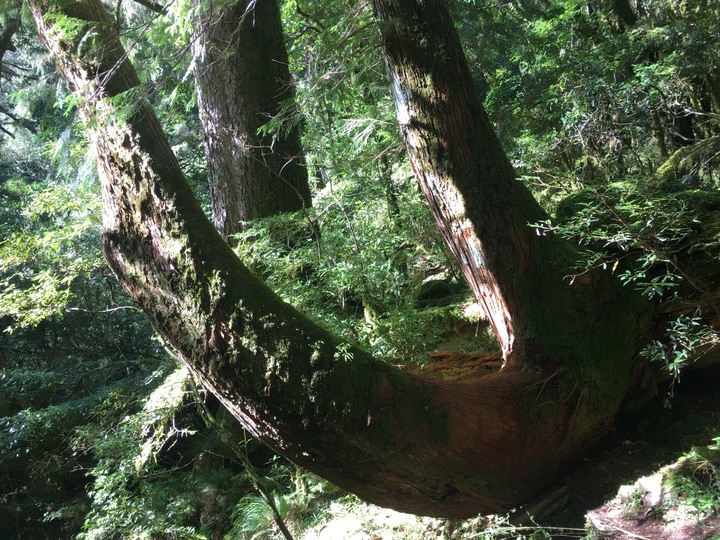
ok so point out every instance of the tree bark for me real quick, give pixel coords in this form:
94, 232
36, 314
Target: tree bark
8, 31
625, 13
483, 211
243, 80
443, 448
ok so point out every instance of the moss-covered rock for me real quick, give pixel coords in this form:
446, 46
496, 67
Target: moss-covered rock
689, 166
440, 292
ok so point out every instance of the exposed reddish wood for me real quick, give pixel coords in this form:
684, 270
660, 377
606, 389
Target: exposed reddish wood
482, 210
456, 366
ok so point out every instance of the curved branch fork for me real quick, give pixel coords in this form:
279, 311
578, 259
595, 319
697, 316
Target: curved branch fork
423, 446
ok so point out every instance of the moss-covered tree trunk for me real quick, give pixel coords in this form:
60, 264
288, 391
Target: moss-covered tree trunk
425, 446
243, 81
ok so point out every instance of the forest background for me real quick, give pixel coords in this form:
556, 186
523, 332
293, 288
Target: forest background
608, 111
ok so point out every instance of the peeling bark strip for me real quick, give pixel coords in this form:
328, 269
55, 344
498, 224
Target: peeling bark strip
243, 80
429, 447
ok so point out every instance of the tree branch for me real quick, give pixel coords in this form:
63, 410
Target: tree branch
152, 6
317, 26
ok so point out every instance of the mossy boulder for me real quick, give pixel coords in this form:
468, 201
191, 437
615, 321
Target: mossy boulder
440, 292
689, 167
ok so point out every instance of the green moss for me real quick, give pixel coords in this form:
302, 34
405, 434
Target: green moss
688, 165
316, 355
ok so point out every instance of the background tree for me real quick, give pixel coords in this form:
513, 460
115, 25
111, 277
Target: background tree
243, 83
84, 381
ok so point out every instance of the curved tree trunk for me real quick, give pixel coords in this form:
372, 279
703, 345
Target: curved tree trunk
243, 80
424, 446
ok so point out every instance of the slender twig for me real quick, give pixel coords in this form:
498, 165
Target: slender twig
108, 310
242, 458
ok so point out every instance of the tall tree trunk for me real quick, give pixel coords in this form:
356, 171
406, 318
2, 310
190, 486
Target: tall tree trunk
625, 13
8, 29
243, 80
444, 448
682, 129
484, 212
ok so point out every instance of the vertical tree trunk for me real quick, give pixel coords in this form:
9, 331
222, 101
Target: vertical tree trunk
585, 330
243, 80
453, 150
625, 13
682, 129
659, 132
8, 29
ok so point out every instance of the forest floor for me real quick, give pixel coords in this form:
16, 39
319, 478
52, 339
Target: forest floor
653, 478
631, 486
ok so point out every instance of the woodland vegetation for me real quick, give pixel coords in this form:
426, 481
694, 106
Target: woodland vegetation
426, 250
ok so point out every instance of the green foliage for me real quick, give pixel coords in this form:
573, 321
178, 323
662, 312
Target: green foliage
696, 480
54, 245
684, 342
356, 276
662, 244
48, 403
300, 500
99, 433
253, 518
158, 47
129, 497
579, 98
